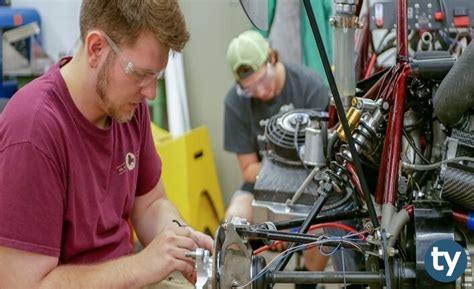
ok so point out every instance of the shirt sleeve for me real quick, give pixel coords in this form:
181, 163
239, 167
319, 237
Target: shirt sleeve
149, 162
237, 127
32, 198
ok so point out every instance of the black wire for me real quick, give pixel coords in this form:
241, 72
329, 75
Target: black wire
413, 145
421, 177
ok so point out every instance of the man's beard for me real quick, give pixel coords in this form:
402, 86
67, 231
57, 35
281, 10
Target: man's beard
106, 105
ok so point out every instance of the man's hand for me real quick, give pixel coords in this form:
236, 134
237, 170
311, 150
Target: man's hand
204, 241
167, 253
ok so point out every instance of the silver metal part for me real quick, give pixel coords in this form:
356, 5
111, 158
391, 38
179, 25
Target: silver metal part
366, 134
314, 148
288, 122
265, 210
203, 264
235, 257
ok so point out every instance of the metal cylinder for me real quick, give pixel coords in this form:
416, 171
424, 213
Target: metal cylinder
327, 277
314, 147
344, 62
426, 41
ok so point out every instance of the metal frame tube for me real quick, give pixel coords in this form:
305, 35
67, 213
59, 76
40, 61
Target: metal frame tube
396, 125
327, 277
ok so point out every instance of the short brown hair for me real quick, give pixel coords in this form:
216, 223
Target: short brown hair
125, 20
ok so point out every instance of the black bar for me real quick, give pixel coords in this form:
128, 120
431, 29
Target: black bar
318, 205
283, 225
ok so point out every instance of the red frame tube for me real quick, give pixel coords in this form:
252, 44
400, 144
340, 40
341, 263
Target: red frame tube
379, 192
402, 32
391, 154
395, 124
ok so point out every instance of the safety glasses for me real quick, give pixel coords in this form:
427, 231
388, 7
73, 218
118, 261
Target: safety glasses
143, 77
260, 83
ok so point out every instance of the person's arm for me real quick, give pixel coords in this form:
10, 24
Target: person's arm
153, 212
165, 253
22, 269
249, 166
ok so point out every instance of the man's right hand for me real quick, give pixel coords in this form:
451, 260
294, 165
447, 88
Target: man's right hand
167, 253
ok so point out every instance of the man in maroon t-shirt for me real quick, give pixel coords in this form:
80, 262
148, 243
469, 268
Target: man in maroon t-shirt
77, 160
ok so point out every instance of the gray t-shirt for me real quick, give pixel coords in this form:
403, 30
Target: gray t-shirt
302, 88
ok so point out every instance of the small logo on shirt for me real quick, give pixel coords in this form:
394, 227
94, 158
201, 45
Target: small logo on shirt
129, 163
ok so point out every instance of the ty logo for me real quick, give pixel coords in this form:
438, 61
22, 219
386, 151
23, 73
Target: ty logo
445, 254
445, 260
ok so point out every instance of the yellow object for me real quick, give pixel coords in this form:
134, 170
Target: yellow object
353, 118
190, 177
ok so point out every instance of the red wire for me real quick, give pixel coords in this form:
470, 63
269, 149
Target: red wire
355, 179
312, 228
371, 66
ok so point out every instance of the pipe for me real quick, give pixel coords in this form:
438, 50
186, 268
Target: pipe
399, 220
455, 94
426, 42
327, 277
334, 217
379, 192
396, 124
371, 66
460, 217
402, 28
464, 218
398, 109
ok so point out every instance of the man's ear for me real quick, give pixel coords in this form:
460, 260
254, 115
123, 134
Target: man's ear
273, 56
95, 45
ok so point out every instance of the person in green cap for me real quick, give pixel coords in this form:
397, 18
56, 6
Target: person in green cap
263, 85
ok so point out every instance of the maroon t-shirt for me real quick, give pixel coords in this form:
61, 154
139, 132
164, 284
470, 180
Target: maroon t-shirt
67, 187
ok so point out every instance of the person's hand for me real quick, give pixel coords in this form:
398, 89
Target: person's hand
204, 241
167, 253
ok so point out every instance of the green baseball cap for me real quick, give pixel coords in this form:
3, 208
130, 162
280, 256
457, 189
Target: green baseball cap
250, 49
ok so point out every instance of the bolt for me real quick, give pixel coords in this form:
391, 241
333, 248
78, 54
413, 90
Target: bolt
191, 254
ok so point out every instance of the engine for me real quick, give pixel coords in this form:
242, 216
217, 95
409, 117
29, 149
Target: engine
387, 179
